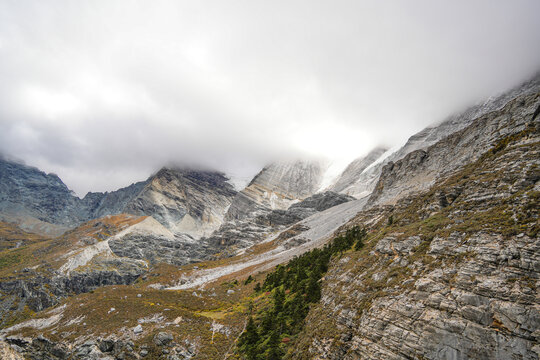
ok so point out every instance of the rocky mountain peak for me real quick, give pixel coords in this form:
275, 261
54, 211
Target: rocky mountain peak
202, 178
187, 201
32, 197
277, 186
362, 183
347, 182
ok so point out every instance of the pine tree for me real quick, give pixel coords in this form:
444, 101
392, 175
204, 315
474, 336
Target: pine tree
313, 291
274, 352
250, 336
301, 279
298, 312
267, 323
279, 299
248, 340
360, 239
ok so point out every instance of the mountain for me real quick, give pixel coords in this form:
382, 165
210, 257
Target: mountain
447, 267
363, 184
277, 186
106, 238
415, 172
97, 204
419, 169
347, 182
32, 197
260, 208
237, 235
36, 199
451, 269
185, 201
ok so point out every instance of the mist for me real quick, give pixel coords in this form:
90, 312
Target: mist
104, 93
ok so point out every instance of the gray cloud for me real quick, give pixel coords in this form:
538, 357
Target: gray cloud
105, 92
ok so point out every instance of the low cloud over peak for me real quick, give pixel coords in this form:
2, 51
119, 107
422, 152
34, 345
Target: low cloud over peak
104, 93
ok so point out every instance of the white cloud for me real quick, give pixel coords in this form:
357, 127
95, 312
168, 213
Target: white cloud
103, 93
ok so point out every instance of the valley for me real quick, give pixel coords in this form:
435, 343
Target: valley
177, 266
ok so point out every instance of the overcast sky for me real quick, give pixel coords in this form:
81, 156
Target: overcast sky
105, 92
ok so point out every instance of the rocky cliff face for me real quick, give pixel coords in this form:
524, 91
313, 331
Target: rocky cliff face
42, 203
27, 193
96, 204
240, 234
261, 208
152, 243
305, 208
364, 182
277, 186
452, 271
347, 182
419, 169
185, 201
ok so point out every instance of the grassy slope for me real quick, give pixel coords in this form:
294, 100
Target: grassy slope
187, 314
36, 250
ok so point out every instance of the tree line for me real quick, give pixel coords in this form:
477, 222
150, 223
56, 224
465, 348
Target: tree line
294, 287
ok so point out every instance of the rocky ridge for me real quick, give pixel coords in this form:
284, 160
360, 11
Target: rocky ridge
27, 192
347, 182
239, 234
451, 263
450, 272
419, 169
364, 183
191, 202
276, 187
261, 208
185, 201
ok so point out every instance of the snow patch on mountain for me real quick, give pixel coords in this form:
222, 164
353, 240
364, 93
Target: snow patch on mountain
333, 170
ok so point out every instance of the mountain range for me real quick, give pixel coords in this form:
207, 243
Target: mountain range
167, 267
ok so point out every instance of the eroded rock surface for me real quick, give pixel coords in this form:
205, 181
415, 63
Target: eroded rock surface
186, 201
454, 274
365, 183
